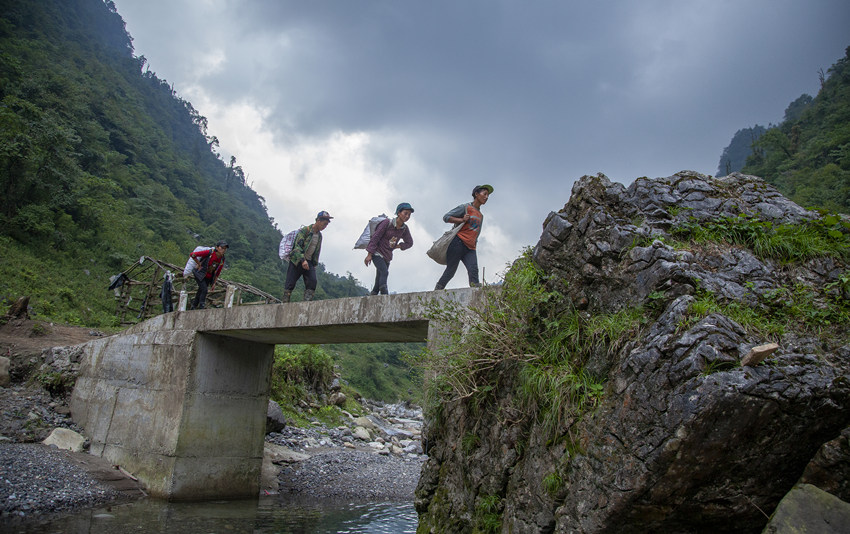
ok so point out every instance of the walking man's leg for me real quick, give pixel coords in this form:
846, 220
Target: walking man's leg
453, 255
382, 268
311, 280
293, 272
470, 261
200, 301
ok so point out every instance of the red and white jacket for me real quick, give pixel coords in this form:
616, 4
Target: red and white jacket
209, 263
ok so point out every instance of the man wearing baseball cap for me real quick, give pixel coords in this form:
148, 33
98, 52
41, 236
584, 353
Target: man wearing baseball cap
305, 257
462, 247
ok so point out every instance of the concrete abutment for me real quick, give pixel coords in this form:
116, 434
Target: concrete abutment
180, 400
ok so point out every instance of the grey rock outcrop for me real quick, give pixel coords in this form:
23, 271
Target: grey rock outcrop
685, 438
830, 468
275, 420
807, 508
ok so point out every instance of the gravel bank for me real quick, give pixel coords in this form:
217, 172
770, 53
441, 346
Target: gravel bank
352, 476
36, 480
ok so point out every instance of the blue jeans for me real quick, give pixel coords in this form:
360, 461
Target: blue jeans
382, 268
295, 272
456, 253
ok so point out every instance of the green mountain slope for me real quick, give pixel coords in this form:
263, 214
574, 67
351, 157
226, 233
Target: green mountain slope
807, 156
101, 163
735, 155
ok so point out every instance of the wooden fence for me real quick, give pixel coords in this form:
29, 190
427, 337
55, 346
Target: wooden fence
139, 291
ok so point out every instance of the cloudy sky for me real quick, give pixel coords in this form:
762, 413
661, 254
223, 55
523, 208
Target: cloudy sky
354, 106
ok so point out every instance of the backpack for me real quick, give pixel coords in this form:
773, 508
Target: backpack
366, 236
286, 245
191, 264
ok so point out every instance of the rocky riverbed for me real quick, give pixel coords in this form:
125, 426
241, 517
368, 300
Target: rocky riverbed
376, 457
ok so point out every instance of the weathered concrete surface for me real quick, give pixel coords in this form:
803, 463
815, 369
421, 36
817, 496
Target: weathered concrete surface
379, 318
180, 400
161, 404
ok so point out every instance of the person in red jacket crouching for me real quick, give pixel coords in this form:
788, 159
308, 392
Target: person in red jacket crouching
209, 262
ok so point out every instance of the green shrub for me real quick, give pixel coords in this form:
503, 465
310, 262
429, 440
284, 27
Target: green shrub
38, 329
553, 483
306, 365
298, 371
56, 383
330, 416
827, 236
525, 329
778, 311
488, 514
469, 443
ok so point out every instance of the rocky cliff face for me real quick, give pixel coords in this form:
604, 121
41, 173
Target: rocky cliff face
683, 438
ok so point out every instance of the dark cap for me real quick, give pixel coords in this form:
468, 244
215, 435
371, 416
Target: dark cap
323, 215
403, 206
478, 188
222, 243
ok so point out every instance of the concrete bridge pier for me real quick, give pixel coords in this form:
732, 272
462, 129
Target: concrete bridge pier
180, 400
184, 411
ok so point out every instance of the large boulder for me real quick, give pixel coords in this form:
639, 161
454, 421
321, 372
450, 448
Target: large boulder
275, 420
684, 437
829, 470
808, 508
67, 439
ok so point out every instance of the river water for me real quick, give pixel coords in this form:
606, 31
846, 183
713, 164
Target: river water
264, 516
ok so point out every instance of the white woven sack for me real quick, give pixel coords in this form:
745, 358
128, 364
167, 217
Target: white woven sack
438, 250
366, 236
286, 245
191, 264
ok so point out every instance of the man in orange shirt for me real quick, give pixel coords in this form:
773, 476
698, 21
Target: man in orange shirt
462, 247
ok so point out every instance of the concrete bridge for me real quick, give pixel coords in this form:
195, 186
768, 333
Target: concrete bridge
180, 400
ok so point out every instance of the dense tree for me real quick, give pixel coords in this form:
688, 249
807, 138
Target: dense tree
735, 155
102, 162
807, 156
797, 107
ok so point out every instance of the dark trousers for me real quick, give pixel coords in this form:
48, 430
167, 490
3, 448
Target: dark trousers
456, 253
200, 301
295, 272
382, 268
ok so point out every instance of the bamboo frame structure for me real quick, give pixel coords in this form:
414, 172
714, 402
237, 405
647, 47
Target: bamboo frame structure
138, 291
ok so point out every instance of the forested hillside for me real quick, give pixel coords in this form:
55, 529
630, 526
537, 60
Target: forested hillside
735, 155
101, 163
807, 156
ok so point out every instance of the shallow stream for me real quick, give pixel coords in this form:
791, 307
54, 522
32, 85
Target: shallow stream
264, 516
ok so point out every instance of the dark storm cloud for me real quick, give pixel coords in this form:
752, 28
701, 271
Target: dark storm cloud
526, 95
539, 88
534, 86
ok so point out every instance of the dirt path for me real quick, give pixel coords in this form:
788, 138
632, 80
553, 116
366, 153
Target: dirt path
23, 340
25, 336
